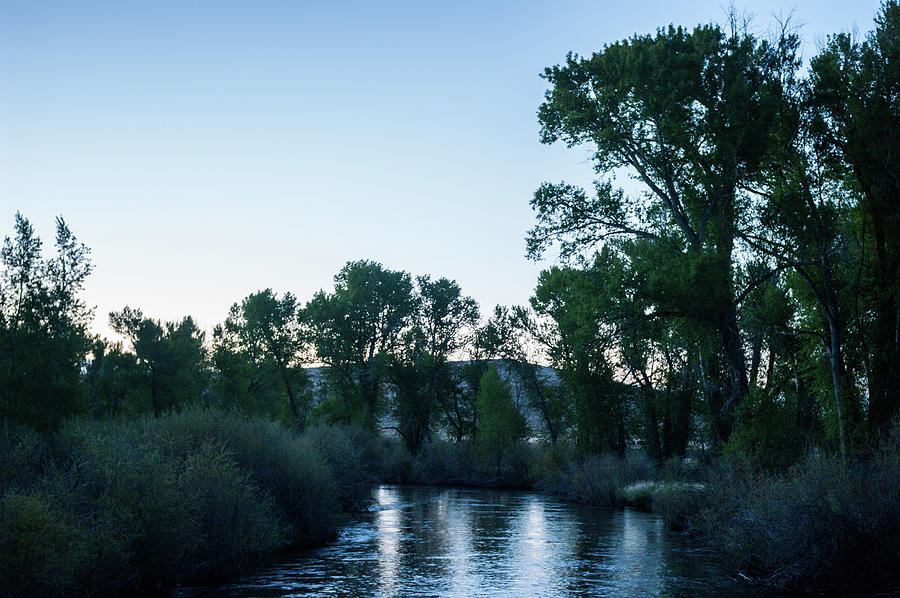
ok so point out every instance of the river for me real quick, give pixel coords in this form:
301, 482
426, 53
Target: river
417, 541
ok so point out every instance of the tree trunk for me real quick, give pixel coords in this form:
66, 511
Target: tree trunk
733, 352
290, 391
836, 360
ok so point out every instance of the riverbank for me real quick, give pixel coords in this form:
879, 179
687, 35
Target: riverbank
125, 506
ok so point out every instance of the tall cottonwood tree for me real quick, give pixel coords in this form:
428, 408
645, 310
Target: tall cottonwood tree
356, 328
854, 95
692, 116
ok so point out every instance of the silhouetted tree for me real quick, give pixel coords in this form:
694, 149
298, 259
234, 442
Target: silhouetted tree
266, 332
693, 116
356, 328
43, 327
171, 358
420, 370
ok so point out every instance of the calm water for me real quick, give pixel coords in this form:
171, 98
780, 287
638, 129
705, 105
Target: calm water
467, 543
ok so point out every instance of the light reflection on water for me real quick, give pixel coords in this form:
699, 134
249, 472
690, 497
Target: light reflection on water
469, 543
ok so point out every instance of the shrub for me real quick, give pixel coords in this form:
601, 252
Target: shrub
638, 495
239, 521
826, 525
23, 456
676, 502
599, 479
42, 549
123, 507
395, 461
351, 455
443, 463
285, 467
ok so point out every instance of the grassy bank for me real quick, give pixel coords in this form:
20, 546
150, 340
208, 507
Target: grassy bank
117, 507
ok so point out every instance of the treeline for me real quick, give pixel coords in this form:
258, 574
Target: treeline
378, 331
745, 295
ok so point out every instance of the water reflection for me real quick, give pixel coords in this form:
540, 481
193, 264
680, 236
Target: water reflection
469, 543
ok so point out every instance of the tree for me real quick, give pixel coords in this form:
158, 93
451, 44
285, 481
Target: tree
43, 327
806, 218
356, 328
518, 336
692, 116
420, 371
500, 423
853, 95
267, 332
581, 344
171, 357
108, 376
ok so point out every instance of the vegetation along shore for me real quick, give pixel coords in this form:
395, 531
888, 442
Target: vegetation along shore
719, 343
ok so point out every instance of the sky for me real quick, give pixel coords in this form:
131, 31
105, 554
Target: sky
207, 150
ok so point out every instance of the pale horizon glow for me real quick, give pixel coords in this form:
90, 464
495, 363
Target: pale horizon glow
204, 151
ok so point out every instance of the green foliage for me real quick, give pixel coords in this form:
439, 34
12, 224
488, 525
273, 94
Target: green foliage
286, 467
694, 116
43, 327
170, 360
596, 479
677, 502
129, 506
851, 98
353, 458
441, 463
500, 423
258, 353
827, 525
32, 530
419, 371
109, 378
766, 434
356, 328
519, 338
239, 520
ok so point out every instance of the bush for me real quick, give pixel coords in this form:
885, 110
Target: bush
285, 467
32, 532
395, 461
639, 495
352, 455
442, 463
239, 521
826, 525
121, 507
23, 456
598, 479
676, 502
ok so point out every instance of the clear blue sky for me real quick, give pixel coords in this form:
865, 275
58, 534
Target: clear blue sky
205, 150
